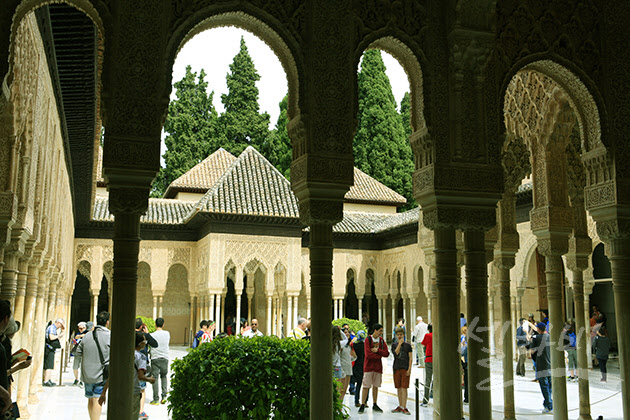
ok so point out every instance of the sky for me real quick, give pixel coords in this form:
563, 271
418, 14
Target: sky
213, 50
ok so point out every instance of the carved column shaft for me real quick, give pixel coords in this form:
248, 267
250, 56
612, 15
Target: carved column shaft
321, 258
38, 336
503, 270
27, 333
448, 359
9, 277
18, 309
269, 316
583, 341
477, 305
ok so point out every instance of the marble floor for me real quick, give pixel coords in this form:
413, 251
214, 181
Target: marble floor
68, 403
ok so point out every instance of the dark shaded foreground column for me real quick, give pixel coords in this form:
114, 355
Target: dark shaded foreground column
448, 359
503, 266
620, 264
321, 256
478, 333
553, 272
126, 249
583, 341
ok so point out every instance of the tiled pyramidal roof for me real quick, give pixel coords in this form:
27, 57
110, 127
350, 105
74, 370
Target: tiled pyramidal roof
160, 212
250, 186
201, 177
357, 222
366, 188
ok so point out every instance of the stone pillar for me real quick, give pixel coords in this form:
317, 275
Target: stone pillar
553, 272
9, 277
587, 323
394, 320
38, 336
289, 320
269, 316
94, 310
341, 312
191, 320
321, 258
279, 316
20, 293
237, 324
155, 306
295, 310
503, 266
52, 299
211, 309
620, 264
27, 333
250, 298
219, 317
448, 359
582, 331
477, 307
308, 307
124, 287
360, 310
491, 320
161, 306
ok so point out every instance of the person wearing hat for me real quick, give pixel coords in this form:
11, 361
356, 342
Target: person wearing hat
357, 369
53, 333
76, 363
13, 366
540, 347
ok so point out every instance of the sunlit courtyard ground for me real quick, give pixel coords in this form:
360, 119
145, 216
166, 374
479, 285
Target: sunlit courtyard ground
68, 403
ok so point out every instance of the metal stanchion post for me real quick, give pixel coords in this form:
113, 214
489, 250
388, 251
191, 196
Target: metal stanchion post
417, 399
61, 367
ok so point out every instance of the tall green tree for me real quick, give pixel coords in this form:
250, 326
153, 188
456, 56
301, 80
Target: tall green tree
277, 149
381, 147
191, 127
242, 124
405, 114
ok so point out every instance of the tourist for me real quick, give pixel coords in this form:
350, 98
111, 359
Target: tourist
462, 320
399, 324
427, 342
307, 332
521, 346
463, 350
338, 341
5, 395
365, 318
403, 359
545, 318
94, 353
569, 340
375, 349
76, 363
203, 326
601, 347
253, 331
245, 327
151, 343
159, 361
347, 356
207, 334
299, 332
358, 346
54, 332
540, 346
14, 364
89, 326
416, 337
140, 370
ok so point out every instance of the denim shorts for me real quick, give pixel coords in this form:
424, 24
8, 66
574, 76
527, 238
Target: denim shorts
93, 390
143, 385
337, 372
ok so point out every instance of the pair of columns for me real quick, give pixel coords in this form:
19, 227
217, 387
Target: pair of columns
338, 308
158, 306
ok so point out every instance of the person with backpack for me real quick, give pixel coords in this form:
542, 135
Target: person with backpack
76, 363
151, 342
570, 341
54, 331
358, 345
375, 349
602, 345
203, 327
94, 353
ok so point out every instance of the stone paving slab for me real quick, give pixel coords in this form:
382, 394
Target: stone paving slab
68, 402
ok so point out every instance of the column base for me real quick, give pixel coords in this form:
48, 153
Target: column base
585, 417
33, 399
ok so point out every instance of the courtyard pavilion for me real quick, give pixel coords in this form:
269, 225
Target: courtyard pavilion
522, 173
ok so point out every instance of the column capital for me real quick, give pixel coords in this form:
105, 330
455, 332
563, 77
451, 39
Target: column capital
128, 200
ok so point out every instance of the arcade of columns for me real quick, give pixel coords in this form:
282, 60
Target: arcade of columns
564, 96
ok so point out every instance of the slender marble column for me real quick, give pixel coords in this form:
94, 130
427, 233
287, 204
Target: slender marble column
289, 320
321, 257
237, 324
161, 306
155, 307
27, 332
222, 314
95, 306
360, 309
491, 321
308, 307
20, 293
38, 337
211, 312
341, 314
394, 320
125, 279
9, 277
191, 320
295, 310
553, 272
583, 341
249, 307
503, 266
477, 307
448, 358
620, 264
269, 316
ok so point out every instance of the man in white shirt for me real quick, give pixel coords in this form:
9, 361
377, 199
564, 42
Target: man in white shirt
253, 331
418, 334
300, 331
159, 361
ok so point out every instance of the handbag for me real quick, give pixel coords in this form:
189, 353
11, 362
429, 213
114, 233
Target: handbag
100, 355
55, 344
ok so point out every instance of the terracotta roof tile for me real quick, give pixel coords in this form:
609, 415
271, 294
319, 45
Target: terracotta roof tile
204, 175
251, 186
368, 189
160, 211
359, 222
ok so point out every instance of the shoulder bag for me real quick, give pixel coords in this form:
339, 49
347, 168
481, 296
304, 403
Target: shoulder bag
100, 355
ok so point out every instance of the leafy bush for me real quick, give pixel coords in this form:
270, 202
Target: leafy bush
150, 323
244, 378
355, 325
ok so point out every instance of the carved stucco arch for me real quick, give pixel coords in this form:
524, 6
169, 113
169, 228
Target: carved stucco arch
85, 268
412, 62
524, 257
251, 19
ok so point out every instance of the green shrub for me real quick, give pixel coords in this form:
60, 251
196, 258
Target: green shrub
355, 325
244, 378
150, 323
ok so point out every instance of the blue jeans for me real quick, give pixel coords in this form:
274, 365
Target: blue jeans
545, 388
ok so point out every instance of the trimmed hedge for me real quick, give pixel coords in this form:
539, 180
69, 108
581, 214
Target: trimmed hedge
150, 323
355, 325
244, 378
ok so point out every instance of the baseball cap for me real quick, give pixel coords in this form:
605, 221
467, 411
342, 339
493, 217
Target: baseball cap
541, 326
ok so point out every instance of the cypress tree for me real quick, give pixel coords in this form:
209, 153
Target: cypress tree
278, 149
381, 147
405, 114
241, 124
191, 129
